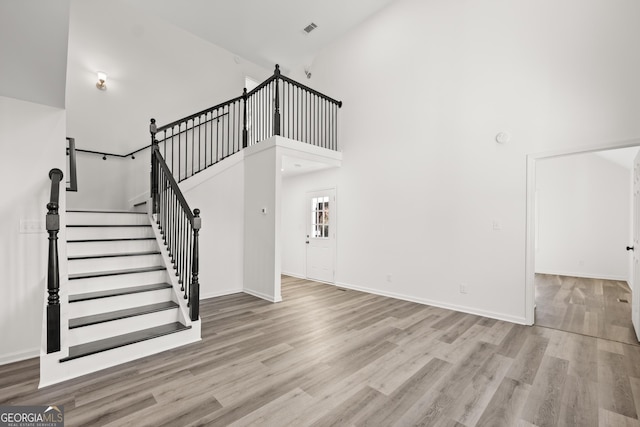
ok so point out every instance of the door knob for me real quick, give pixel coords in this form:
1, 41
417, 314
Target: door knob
307, 242
629, 248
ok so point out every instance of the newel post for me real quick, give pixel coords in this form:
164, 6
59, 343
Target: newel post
154, 168
53, 269
194, 291
276, 109
244, 119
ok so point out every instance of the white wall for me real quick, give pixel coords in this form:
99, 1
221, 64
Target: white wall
154, 70
33, 138
262, 253
219, 194
109, 184
33, 48
426, 87
583, 217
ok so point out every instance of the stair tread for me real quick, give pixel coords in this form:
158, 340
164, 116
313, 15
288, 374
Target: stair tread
113, 255
117, 292
107, 212
115, 272
118, 239
120, 314
94, 347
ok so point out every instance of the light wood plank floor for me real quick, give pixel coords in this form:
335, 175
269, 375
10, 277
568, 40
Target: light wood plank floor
326, 356
585, 306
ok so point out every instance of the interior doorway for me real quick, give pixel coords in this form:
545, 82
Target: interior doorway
574, 292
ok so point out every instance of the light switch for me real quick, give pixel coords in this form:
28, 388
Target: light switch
31, 226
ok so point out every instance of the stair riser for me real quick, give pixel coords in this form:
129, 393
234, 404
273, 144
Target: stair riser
121, 246
104, 330
54, 372
121, 302
94, 284
92, 218
84, 233
113, 263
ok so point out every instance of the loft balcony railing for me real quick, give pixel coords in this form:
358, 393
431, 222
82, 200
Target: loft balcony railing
278, 106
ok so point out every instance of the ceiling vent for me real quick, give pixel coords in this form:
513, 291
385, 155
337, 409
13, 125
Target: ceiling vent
310, 28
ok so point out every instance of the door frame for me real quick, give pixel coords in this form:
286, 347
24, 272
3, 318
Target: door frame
334, 222
532, 159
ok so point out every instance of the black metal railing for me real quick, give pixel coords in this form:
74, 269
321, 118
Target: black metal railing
194, 143
180, 229
53, 269
278, 106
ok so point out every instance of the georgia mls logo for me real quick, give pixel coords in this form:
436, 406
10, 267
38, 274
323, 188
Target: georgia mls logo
31, 416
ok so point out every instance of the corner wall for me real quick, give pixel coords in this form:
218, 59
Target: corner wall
33, 136
426, 88
262, 221
155, 69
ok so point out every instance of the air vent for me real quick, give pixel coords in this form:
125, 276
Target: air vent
310, 28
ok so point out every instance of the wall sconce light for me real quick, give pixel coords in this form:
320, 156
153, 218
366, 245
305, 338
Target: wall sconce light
102, 80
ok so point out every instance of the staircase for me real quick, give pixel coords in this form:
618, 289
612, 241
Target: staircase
123, 302
131, 287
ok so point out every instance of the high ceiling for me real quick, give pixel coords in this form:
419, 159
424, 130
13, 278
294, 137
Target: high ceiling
266, 32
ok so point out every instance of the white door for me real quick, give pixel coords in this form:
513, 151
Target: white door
635, 295
321, 235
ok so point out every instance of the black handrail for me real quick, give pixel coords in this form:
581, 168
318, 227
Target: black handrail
201, 113
179, 227
277, 106
53, 270
308, 89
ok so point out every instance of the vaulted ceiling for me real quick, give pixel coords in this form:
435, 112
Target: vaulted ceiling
266, 32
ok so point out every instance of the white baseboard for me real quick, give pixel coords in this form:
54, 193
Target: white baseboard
585, 275
296, 275
222, 293
19, 356
263, 296
463, 309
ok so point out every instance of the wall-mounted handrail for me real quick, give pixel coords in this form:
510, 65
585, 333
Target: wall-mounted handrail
53, 269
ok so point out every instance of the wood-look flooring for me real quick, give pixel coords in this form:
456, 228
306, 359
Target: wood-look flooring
593, 307
326, 356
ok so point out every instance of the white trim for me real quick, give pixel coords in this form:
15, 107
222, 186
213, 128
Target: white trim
19, 356
463, 309
296, 275
585, 275
529, 269
216, 294
263, 296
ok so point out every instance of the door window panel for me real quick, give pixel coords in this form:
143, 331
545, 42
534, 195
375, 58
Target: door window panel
320, 217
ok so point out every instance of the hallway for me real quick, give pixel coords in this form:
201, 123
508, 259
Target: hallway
594, 307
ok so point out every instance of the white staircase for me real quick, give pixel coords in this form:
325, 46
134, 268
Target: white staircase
122, 300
